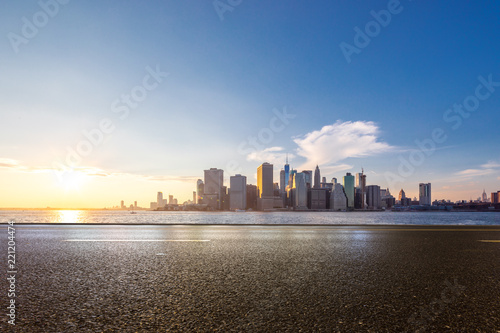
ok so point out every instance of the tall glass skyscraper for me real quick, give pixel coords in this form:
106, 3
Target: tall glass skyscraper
349, 189
290, 180
287, 173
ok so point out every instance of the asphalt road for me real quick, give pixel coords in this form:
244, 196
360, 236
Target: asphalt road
114, 278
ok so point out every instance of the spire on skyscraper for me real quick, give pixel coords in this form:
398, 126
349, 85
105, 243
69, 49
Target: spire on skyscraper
317, 178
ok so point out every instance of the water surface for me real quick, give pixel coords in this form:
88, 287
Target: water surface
152, 217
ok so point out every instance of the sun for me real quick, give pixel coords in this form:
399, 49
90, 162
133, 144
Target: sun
72, 180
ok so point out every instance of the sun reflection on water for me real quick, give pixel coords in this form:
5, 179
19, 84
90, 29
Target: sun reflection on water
69, 216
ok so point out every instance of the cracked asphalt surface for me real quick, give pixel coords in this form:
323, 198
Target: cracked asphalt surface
255, 278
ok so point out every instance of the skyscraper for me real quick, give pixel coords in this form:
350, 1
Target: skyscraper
214, 181
159, 200
265, 186
317, 177
200, 190
287, 173
290, 178
494, 197
424, 191
349, 189
282, 181
358, 180
265, 180
338, 199
484, 197
300, 191
361, 196
237, 192
373, 197
251, 197
309, 178
402, 195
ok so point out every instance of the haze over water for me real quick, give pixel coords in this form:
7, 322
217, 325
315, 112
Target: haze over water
273, 218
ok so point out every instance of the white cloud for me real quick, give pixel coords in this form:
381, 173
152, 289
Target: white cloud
14, 165
333, 169
485, 169
8, 163
273, 155
339, 141
468, 173
491, 165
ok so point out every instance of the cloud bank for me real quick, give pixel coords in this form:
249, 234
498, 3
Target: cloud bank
339, 141
328, 147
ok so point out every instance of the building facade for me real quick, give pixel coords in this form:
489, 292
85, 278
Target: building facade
213, 186
265, 180
317, 177
265, 186
200, 189
283, 181
300, 191
319, 198
424, 191
237, 192
338, 199
373, 199
251, 197
349, 190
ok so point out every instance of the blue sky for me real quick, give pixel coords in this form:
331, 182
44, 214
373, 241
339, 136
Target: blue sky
225, 78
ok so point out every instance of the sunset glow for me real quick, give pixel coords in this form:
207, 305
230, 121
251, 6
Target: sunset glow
97, 110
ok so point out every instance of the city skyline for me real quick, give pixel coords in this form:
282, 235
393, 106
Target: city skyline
103, 102
218, 181
357, 195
